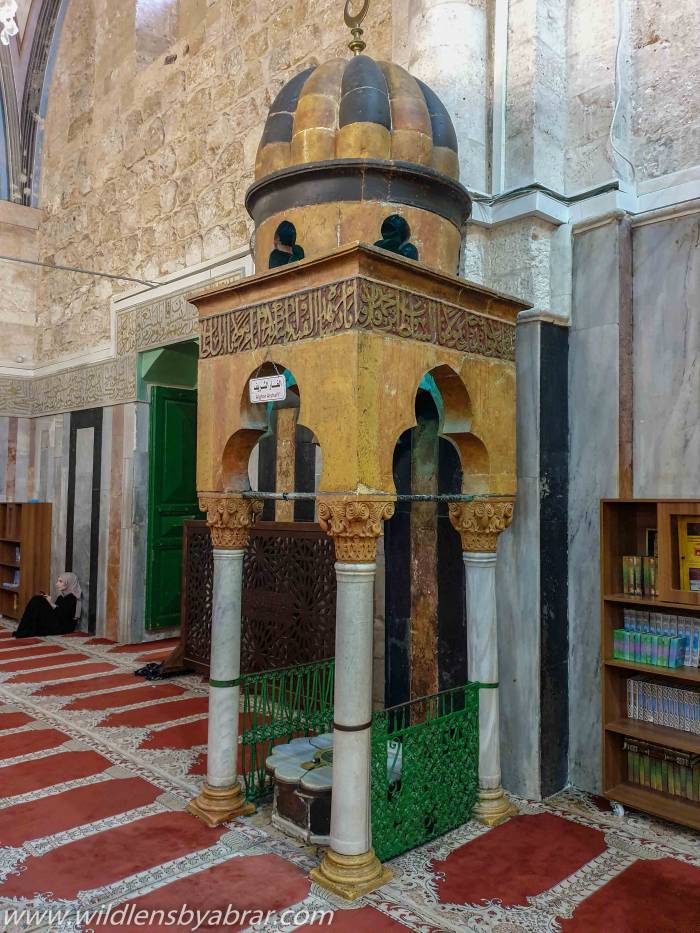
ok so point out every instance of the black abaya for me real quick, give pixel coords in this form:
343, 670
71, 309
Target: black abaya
41, 618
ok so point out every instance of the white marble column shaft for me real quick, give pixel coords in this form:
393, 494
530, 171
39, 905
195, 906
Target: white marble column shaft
225, 666
350, 806
482, 646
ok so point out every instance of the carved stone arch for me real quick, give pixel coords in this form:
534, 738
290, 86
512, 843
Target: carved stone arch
456, 416
255, 423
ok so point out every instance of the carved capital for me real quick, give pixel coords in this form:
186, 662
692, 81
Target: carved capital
230, 518
354, 525
481, 521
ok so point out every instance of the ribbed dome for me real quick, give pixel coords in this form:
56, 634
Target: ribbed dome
357, 108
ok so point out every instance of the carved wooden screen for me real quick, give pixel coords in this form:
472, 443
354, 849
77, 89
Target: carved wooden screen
288, 597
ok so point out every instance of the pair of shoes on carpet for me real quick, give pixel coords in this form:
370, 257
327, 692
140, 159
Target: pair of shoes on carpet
154, 671
150, 671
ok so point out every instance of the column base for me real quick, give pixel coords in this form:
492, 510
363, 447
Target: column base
216, 805
350, 876
493, 807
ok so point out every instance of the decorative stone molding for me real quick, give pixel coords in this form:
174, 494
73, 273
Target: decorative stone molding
152, 325
16, 396
356, 304
354, 525
481, 521
229, 518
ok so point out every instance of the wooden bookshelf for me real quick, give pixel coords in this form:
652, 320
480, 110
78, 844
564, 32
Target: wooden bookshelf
25, 554
623, 530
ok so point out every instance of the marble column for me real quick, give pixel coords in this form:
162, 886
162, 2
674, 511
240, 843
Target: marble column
479, 523
221, 798
349, 867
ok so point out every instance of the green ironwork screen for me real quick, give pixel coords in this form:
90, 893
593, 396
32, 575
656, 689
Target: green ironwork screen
277, 706
425, 764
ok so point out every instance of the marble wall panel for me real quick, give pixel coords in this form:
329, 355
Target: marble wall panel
4, 443
59, 512
82, 512
517, 587
41, 478
23, 460
134, 533
105, 512
517, 600
666, 355
593, 474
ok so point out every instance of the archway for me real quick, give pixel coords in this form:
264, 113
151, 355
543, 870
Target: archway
425, 635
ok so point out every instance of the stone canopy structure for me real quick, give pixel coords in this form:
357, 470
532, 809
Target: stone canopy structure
359, 329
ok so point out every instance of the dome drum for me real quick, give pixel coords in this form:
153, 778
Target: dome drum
358, 180
324, 227
348, 143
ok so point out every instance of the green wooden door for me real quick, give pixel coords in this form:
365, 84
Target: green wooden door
172, 499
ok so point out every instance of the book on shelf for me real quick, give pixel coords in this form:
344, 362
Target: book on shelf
658, 638
663, 769
12, 584
661, 705
639, 576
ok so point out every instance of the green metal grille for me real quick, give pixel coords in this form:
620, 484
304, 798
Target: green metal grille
277, 706
425, 763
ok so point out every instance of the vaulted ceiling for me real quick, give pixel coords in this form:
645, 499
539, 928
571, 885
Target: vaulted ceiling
24, 65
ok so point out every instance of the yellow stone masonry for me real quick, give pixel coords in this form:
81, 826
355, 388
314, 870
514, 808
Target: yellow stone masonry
145, 166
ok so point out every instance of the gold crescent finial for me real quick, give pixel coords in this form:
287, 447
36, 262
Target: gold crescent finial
352, 21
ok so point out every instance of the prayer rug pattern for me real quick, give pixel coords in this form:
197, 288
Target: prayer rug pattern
97, 766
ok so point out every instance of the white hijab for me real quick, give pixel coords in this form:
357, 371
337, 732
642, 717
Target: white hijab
72, 588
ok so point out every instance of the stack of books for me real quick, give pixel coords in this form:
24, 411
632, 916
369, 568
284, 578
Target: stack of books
639, 576
653, 638
664, 769
12, 584
675, 707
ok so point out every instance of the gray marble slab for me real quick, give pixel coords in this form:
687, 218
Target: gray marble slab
4, 440
82, 513
593, 474
527, 363
518, 605
595, 279
105, 503
24, 427
667, 359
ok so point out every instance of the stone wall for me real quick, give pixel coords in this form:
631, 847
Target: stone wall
149, 150
146, 166
665, 76
18, 237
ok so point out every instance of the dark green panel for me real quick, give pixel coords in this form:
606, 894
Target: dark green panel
172, 499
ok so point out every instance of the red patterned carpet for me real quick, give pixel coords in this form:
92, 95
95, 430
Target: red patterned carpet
96, 768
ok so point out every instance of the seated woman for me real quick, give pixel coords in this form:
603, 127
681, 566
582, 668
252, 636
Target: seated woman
395, 237
286, 249
45, 617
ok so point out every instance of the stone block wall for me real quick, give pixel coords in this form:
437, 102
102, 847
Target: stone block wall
145, 166
18, 237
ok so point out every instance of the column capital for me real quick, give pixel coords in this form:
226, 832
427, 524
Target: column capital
480, 521
354, 524
229, 518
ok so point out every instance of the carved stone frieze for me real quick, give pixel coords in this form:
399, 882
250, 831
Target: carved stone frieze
356, 303
354, 525
105, 383
15, 396
153, 325
480, 522
229, 518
